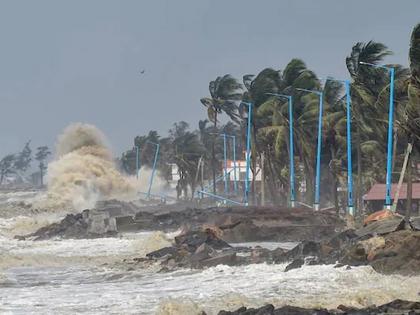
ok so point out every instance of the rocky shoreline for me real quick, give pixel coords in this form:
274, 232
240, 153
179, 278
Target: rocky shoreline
397, 251
391, 245
239, 224
396, 307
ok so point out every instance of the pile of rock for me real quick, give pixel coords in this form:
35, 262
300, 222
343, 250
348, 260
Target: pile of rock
390, 246
397, 307
241, 224
204, 248
88, 224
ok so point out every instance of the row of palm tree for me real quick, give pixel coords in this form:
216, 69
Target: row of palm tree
369, 92
185, 148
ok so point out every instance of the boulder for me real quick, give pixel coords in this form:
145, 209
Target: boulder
297, 263
194, 239
381, 227
166, 251
415, 223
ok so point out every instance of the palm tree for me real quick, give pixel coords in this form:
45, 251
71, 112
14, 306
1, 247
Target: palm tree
257, 87
224, 94
367, 82
186, 152
413, 106
271, 122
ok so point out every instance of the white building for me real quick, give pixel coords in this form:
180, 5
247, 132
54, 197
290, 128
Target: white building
240, 171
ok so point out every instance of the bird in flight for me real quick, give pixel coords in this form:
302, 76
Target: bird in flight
142, 71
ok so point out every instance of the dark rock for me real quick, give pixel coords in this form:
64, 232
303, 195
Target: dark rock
355, 256
162, 252
297, 263
415, 223
381, 227
203, 252
397, 307
302, 250
88, 224
193, 239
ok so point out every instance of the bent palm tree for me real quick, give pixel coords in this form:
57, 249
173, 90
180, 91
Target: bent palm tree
224, 92
413, 106
367, 82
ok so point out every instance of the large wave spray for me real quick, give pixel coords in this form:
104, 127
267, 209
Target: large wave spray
84, 171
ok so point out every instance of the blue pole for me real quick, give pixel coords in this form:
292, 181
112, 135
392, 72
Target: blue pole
137, 162
154, 169
291, 149
225, 163
388, 202
349, 152
318, 154
235, 184
248, 148
291, 153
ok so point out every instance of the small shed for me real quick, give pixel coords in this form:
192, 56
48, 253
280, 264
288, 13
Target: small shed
375, 197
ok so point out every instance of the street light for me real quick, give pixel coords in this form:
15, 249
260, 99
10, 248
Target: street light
154, 166
391, 70
318, 153
248, 149
291, 150
350, 205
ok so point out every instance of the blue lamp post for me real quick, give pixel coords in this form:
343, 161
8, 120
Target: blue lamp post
350, 204
154, 167
319, 145
391, 71
248, 151
291, 150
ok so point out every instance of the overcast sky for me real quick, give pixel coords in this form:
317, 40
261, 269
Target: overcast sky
80, 60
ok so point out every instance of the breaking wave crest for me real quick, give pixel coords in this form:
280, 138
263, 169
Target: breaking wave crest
84, 171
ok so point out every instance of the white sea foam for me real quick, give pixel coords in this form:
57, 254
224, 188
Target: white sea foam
91, 291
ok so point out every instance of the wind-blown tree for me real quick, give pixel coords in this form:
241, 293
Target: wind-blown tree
225, 91
23, 159
413, 106
208, 135
147, 151
367, 82
186, 153
7, 166
41, 156
272, 123
334, 137
257, 87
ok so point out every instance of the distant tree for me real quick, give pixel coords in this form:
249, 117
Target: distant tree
7, 166
24, 158
41, 156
